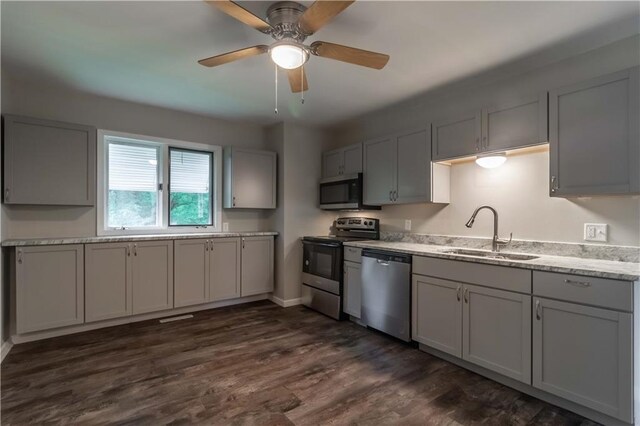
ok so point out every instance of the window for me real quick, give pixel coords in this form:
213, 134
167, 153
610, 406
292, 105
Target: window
153, 185
189, 187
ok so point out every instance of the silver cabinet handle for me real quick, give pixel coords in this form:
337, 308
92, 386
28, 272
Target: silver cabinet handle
395, 195
382, 262
578, 283
128, 250
466, 295
210, 245
538, 311
135, 249
6, 194
554, 184
234, 201
206, 245
243, 243
19, 256
477, 144
390, 197
484, 142
458, 293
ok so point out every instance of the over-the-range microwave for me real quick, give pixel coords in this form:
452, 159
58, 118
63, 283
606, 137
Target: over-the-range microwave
343, 193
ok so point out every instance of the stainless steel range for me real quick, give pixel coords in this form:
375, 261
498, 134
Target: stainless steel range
322, 275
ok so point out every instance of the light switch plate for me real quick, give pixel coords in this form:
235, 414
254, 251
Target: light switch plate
225, 226
407, 225
595, 232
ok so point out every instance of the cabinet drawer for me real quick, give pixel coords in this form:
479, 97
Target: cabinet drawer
502, 277
588, 290
353, 254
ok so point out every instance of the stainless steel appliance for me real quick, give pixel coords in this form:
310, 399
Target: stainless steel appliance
343, 193
322, 276
386, 292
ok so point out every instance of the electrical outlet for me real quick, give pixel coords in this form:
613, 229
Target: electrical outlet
225, 226
407, 225
595, 232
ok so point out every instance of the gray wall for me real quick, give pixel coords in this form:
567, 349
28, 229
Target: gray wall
27, 98
519, 188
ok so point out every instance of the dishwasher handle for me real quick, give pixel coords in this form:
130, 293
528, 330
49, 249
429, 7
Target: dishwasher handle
386, 256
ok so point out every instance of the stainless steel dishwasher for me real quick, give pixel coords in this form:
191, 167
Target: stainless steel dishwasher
386, 292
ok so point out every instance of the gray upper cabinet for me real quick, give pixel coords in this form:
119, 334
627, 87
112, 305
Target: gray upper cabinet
437, 314
515, 125
49, 287
496, 331
48, 162
342, 161
585, 355
257, 265
224, 275
152, 276
398, 169
594, 136
457, 137
249, 178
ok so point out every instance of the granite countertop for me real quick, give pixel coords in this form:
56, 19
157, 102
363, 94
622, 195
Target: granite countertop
125, 238
627, 271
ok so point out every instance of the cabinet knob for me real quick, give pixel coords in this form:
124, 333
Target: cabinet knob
6, 194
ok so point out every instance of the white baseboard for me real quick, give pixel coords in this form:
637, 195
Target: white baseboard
285, 303
4, 350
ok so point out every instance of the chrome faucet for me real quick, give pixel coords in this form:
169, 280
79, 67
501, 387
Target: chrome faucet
497, 242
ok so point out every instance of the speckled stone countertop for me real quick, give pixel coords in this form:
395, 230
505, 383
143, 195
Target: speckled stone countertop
627, 271
125, 238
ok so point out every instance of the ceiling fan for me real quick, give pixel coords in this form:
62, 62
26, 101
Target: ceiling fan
290, 23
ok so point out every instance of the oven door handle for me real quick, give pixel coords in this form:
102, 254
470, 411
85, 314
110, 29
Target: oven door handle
313, 243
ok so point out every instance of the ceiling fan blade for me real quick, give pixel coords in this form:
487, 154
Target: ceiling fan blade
298, 80
348, 54
241, 14
320, 13
233, 56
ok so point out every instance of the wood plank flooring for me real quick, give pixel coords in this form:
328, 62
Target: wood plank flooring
253, 364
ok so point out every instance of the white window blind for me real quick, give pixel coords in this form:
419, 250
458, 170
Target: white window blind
133, 167
190, 171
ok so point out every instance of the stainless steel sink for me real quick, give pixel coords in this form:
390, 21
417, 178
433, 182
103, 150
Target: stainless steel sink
491, 255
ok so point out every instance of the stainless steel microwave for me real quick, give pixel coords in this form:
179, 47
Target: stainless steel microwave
343, 193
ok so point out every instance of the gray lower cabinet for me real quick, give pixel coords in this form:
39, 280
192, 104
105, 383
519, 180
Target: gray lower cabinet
152, 276
191, 269
48, 162
457, 137
225, 268
594, 136
496, 331
108, 291
257, 265
207, 270
128, 278
49, 285
352, 303
437, 314
249, 179
585, 355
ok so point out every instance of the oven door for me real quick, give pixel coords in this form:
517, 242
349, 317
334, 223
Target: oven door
322, 260
342, 192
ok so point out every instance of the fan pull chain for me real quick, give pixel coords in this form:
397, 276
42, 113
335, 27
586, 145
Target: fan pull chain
276, 71
302, 83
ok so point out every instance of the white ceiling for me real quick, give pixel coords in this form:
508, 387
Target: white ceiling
147, 51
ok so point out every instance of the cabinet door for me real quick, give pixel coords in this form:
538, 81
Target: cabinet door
191, 284
152, 272
107, 281
224, 272
352, 162
437, 314
594, 136
253, 179
257, 265
49, 287
379, 171
414, 167
332, 162
584, 354
517, 124
352, 289
496, 331
456, 138
48, 162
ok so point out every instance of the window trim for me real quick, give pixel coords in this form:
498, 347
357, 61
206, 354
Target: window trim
163, 144
211, 184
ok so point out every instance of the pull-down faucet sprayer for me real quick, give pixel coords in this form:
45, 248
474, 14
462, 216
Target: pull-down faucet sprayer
497, 242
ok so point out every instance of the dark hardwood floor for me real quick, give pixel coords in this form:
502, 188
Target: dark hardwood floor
255, 364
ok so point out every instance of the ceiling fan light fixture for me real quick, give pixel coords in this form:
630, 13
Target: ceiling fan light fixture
288, 54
